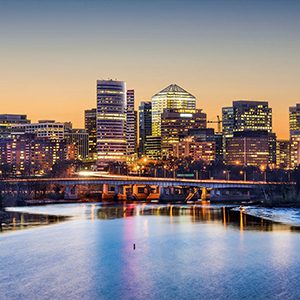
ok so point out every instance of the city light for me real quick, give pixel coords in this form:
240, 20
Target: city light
149, 150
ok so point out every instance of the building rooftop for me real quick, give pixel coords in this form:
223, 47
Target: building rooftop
250, 102
174, 88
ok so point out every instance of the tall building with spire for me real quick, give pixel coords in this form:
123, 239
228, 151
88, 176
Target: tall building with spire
172, 97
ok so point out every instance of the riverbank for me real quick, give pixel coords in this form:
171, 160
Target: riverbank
14, 220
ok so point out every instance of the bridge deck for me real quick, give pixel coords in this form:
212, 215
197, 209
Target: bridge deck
164, 182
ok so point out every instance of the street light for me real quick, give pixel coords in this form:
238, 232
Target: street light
165, 171
227, 172
245, 175
263, 170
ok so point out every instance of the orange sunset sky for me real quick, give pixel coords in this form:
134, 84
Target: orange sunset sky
53, 53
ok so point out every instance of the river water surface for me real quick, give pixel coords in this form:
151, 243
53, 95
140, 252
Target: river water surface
181, 252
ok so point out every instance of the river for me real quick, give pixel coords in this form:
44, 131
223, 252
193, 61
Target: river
149, 252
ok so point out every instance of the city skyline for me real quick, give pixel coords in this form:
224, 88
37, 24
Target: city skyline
149, 149
53, 53
282, 132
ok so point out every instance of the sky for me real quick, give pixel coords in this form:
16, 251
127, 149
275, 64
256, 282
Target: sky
52, 53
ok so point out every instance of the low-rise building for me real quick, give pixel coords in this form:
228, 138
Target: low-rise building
198, 150
175, 124
26, 154
44, 129
248, 148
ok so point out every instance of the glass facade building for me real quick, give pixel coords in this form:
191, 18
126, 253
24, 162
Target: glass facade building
294, 126
172, 97
111, 121
145, 124
248, 116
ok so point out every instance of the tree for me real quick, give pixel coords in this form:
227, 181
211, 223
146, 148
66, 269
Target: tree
62, 168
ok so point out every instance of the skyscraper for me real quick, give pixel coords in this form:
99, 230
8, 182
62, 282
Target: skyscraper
90, 121
172, 97
131, 129
246, 117
111, 121
145, 124
294, 125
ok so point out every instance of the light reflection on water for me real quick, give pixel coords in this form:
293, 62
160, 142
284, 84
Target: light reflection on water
182, 252
18, 220
197, 213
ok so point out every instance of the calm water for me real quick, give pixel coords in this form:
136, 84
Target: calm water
181, 253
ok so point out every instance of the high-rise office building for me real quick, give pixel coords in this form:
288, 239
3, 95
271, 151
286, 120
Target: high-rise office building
80, 138
111, 121
294, 125
145, 124
175, 125
90, 121
136, 131
131, 125
283, 151
249, 116
172, 97
228, 123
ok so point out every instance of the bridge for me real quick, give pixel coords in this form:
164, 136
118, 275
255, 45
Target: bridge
125, 180
118, 186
